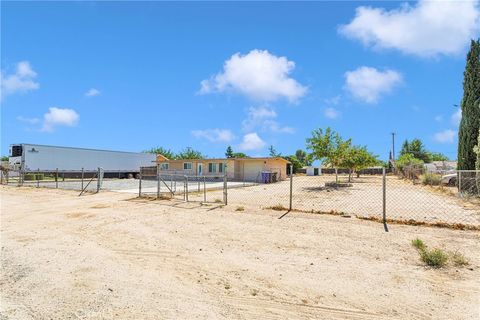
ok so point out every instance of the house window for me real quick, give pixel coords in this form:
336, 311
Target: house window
212, 167
220, 167
187, 166
164, 166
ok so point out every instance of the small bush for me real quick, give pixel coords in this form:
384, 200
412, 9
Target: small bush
278, 207
218, 201
33, 176
458, 259
240, 208
417, 243
431, 179
29, 177
435, 258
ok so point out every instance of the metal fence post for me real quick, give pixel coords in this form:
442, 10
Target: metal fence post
460, 183
158, 185
38, 178
99, 179
384, 197
140, 183
56, 178
291, 187
186, 188
83, 173
204, 190
225, 194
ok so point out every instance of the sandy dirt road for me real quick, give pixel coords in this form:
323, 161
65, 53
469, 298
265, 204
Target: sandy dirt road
104, 256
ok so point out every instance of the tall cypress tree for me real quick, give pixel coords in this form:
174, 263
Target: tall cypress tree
470, 123
477, 151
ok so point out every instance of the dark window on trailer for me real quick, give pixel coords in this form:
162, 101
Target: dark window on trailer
16, 151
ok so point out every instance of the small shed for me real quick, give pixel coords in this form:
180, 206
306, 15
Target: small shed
314, 171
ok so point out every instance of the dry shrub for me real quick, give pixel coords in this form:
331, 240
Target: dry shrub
278, 207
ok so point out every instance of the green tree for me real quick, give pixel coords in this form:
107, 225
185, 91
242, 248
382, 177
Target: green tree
469, 125
229, 152
240, 155
405, 148
296, 164
406, 160
189, 153
358, 158
476, 149
303, 157
4, 158
417, 148
164, 152
437, 156
273, 152
328, 147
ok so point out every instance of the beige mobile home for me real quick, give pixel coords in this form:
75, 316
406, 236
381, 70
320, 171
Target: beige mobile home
240, 169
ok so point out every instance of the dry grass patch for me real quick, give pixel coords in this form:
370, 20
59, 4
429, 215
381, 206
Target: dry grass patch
277, 207
458, 259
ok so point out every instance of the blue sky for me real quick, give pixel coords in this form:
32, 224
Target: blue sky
130, 76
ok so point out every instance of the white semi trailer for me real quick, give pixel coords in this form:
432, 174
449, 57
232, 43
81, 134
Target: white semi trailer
32, 157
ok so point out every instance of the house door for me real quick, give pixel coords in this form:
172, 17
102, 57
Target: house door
200, 169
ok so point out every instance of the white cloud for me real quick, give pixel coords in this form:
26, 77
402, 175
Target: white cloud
256, 116
427, 28
264, 117
59, 117
445, 136
456, 117
333, 101
275, 127
331, 113
20, 81
438, 118
214, 135
251, 141
28, 120
368, 84
92, 92
259, 75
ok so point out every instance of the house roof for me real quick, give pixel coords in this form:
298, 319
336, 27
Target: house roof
162, 157
230, 159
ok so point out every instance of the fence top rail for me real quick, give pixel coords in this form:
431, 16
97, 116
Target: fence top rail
167, 175
54, 171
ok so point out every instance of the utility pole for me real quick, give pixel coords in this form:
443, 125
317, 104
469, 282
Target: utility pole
393, 146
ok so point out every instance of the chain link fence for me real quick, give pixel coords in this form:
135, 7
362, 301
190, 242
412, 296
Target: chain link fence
412, 197
80, 180
181, 186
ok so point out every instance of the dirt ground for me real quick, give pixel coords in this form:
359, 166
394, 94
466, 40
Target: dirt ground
108, 256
